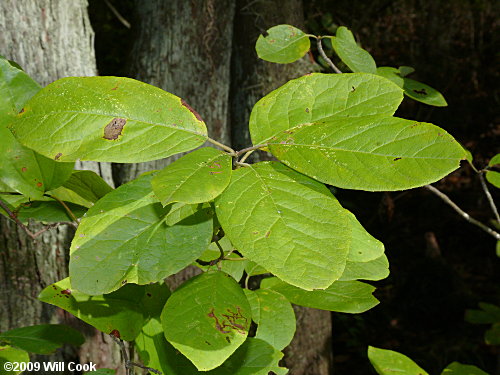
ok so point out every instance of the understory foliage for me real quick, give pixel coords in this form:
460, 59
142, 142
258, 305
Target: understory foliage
211, 208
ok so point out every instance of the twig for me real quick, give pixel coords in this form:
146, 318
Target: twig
14, 217
129, 365
223, 146
253, 148
242, 164
245, 157
462, 213
325, 57
66, 207
117, 14
490, 198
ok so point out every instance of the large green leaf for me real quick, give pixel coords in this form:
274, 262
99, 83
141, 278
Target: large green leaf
107, 119
16, 88
43, 338
10, 354
342, 296
316, 97
423, 93
370, 153
388, 362
456, 368
124, 239
391, 74
194, 178
283, 44
88, 185
207, 319
286, 222
122, 312
274, 315
355, 57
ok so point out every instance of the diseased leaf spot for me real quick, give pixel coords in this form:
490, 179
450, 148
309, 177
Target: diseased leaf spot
66, 292
420, 92
21, 111
396, 159
58, 156
114, 129
39, 184
353, 89
196, 114
307, 110
115, 333
24, 169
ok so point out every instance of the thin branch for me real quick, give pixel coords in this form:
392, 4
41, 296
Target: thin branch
242, 164
253, 148
117, 14
4, 206
325, 57
245, 157
223, 146
462, 213
66, 207
129, 365
490, 198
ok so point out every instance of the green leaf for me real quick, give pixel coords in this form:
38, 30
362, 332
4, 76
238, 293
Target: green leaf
488, 314
364, 247
43, 338
456, 368
253, 269
197, 177
102, 371
16, 88
370, 153
234, 267
112, 119
88, 185
283, 44
316, 97
10, 354
342, 296
376, 269
207, 319
355, 57
405, 70
180, 211
122, 312
48, 212
493, 178
274, 315
295, 227
494, 160
124, 239
423, 93
391, 74
388, 362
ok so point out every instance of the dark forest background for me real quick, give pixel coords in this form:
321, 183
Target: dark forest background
440, 264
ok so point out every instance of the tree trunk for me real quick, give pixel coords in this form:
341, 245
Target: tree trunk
50, 39
184, 47
310, 352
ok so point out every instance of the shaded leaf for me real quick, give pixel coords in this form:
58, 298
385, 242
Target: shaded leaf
283, 44
43, 338
124, 239
317, 97
122, 312
274, 315
112, 119
88, 185
423, 93
391, 74
370, 153
341, 296
11, 354
253, 269
388, 362
405, 70
456, 368
48, 212
355, 57
102, 371
197, 177
311, 253
207, 319
494, 160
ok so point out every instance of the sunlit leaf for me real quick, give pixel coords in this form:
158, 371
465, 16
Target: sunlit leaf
197, 177
342, 296
388, 362
355, 57
295, 227
124, 239
207, 319
423, 93
456, 368
9, 354
282, 44
112, 119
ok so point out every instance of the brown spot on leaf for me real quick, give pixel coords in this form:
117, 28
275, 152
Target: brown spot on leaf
124, 282
59, 154
148, 294
21, 111
114, 129
268, 234
196, 114
420, 92
115, 333
353, 89
307, 110
24, 169
39, 184
66, 291
396, 159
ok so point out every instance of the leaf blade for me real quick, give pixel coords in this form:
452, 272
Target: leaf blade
283, 44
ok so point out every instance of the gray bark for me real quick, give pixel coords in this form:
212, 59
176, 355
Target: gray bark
310, 352
184, 47
50, 39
